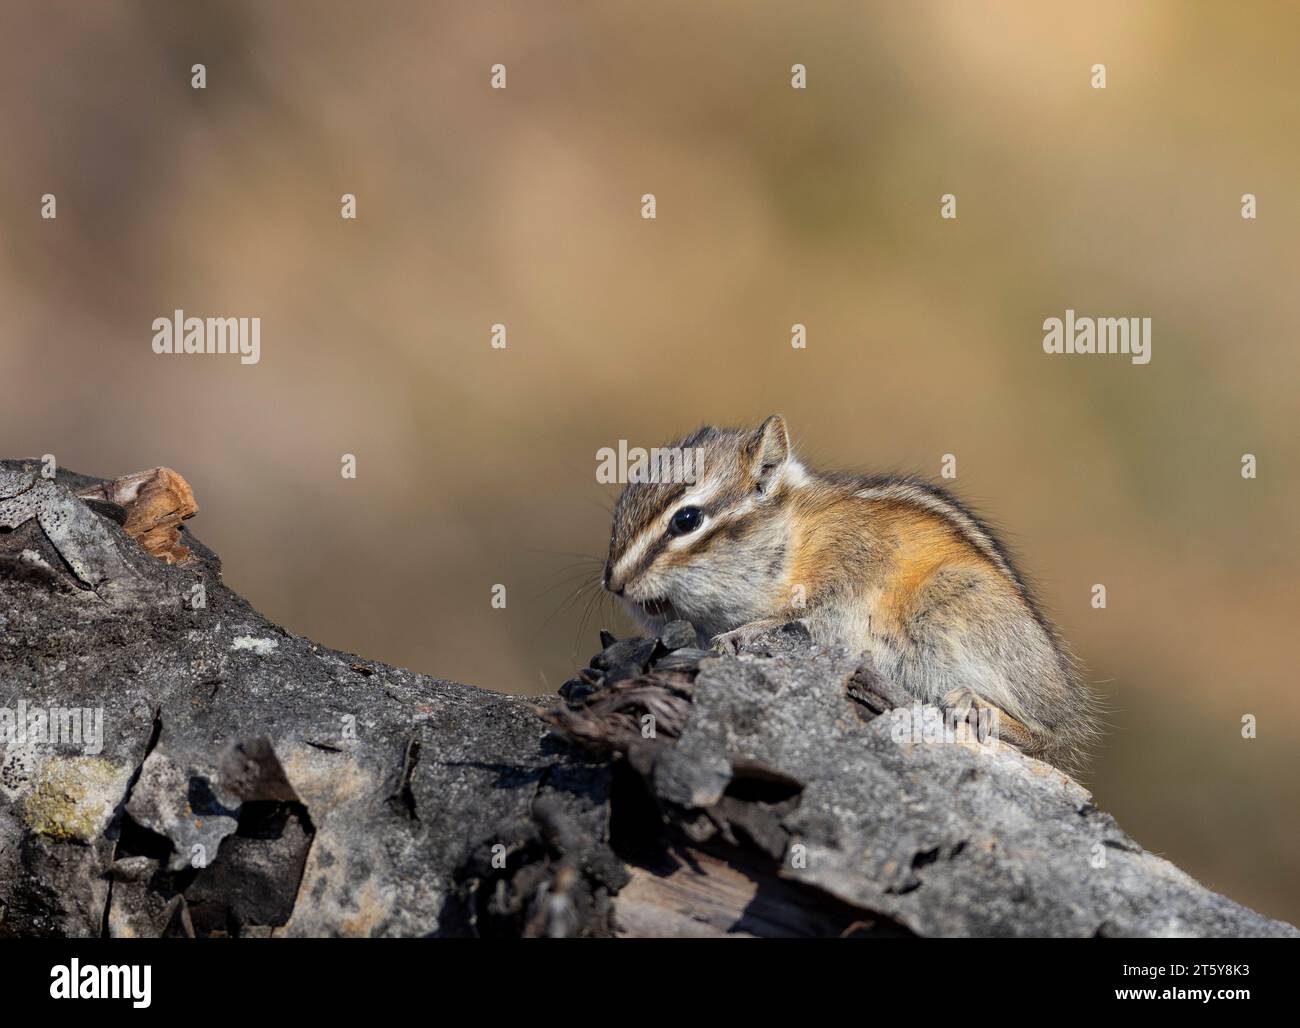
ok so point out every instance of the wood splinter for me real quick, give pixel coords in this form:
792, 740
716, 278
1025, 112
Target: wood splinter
155, 502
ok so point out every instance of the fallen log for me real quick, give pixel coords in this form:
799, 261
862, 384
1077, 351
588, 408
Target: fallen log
171, 763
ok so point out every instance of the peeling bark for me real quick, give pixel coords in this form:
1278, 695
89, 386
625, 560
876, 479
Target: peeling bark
154, 503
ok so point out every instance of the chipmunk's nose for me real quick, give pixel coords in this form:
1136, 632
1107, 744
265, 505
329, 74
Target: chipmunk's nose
610, 585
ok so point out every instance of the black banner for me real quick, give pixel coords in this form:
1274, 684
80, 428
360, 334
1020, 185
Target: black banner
143, 977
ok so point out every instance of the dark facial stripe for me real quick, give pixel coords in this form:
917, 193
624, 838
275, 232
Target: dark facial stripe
660, 544
728, 529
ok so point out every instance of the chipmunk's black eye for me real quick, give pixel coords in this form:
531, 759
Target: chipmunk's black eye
685, 520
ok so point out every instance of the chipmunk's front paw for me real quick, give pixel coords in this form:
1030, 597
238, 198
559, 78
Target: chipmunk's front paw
737, 639
731, 642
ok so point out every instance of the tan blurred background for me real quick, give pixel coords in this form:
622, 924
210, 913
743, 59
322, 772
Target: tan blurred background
775, 206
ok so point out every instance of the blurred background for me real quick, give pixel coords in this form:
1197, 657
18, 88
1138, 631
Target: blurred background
476, 466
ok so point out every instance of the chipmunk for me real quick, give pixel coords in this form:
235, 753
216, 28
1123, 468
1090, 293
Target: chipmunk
888, 565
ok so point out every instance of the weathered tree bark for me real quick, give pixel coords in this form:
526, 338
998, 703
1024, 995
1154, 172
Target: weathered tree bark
250, 782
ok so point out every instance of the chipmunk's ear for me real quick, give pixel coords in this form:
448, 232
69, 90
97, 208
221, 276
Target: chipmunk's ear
768, 449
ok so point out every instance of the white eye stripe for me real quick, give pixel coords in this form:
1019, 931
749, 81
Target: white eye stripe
635, 553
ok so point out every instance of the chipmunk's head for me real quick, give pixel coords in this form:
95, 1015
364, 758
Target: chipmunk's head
710, 549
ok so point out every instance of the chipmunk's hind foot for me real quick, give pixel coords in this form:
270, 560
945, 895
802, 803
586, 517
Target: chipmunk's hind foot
986, 721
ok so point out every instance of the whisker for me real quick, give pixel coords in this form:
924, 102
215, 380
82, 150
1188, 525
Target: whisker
566, 603
592, 558
593, 600
583, 577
